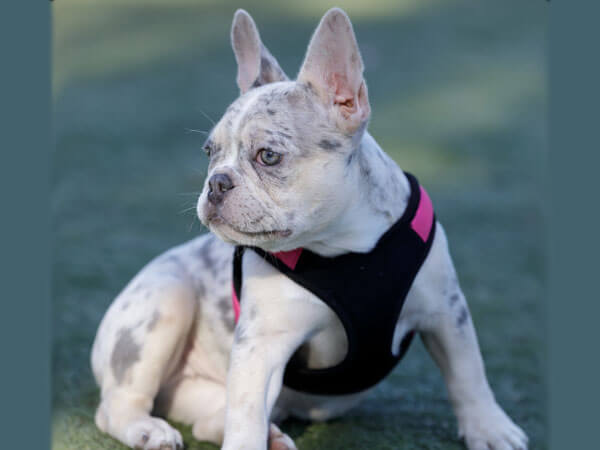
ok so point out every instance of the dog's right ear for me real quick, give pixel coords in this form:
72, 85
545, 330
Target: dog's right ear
256, 65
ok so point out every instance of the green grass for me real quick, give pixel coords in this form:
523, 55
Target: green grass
458, 96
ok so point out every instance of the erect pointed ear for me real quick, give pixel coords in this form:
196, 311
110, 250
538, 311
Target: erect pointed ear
334, 67
256, 66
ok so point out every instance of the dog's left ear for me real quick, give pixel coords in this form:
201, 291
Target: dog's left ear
256, 65
333, 65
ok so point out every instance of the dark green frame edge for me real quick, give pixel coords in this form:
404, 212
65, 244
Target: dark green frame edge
573, 221
25, 143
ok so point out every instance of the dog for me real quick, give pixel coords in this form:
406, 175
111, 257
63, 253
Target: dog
292, 166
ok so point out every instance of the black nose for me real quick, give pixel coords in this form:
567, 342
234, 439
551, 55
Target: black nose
218, 184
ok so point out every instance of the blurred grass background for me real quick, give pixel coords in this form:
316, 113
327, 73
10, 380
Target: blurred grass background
458, 95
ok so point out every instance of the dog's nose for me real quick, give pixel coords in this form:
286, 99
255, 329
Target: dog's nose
218, 185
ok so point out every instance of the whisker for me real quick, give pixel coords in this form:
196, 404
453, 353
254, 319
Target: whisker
207, 116
183, 211
192, 130
192, 224
188, 193
186, 210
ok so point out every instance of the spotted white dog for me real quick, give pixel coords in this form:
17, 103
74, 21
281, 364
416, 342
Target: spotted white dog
291, 166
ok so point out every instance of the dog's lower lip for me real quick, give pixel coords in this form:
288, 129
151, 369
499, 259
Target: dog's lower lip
218, 220
282, 233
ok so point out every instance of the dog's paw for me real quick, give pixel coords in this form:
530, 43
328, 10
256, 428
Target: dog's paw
152, 433
489, 428
278, 440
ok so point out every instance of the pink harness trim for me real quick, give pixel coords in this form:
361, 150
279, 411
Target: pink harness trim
289, 258
236, 303
423, 220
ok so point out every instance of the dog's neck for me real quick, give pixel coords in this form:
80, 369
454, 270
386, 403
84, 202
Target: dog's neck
380, 193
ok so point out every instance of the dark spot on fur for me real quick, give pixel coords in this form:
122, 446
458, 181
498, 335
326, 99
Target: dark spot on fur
176, 262
283, 135
125, 354
308, 86
256, 83
226, 310
463, 315
205, 254
329, 145
265, 68
252, 312
271, 112
350, 159
153, 320
454, 298
275, 143
199, 287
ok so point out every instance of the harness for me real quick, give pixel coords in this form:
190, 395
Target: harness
365, 290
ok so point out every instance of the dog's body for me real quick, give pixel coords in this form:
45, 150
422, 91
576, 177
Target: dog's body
168, 341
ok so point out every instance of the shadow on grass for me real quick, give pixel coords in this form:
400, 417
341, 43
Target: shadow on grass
458, 96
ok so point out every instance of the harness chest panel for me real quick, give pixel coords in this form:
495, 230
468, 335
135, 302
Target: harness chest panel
365, 290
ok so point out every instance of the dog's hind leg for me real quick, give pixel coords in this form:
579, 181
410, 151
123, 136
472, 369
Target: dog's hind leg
201, 402
138, 346
198, 401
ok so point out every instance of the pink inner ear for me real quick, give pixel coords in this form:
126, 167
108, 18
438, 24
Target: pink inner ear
289, 258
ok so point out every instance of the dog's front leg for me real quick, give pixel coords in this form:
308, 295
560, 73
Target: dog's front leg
254, 382
277, 317
449, 335
482, 422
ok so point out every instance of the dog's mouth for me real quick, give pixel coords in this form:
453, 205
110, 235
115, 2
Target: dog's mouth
253, 235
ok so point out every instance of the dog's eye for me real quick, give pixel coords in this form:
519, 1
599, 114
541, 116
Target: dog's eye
268, 157
208, 147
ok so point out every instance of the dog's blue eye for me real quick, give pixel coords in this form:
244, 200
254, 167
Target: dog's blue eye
268, 157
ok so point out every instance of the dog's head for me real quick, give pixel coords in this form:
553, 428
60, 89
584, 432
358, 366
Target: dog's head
280, 155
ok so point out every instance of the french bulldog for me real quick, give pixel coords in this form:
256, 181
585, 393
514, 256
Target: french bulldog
292, 166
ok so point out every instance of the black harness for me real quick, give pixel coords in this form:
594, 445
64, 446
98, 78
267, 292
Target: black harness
365, 290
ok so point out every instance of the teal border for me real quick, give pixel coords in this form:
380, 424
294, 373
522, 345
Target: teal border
573, 186
25, 150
